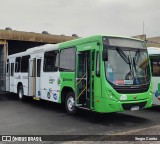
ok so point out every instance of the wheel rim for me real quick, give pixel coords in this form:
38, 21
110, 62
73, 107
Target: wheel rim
20, 93
70, 103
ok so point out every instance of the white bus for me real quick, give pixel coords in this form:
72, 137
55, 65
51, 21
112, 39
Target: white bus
154, 54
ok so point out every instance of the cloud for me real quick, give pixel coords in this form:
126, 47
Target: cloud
84, 17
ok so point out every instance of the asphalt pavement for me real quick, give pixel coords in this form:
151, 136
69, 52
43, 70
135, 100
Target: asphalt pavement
46, 118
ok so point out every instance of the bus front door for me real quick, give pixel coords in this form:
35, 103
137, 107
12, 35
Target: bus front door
84, 78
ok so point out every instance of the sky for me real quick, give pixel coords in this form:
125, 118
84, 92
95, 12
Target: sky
82, 17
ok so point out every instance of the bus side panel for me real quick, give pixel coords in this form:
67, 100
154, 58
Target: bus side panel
67, 81
23, 79
50, 87
17, 78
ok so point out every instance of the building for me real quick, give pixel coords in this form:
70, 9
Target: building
12, 41
151, 42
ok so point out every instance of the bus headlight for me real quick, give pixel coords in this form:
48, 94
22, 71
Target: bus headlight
111, 95
150, 94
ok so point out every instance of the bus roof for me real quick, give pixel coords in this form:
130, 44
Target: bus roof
91, 39
153, 50
48, 47
41, 48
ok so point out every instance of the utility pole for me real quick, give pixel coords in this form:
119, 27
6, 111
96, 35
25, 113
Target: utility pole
143, 27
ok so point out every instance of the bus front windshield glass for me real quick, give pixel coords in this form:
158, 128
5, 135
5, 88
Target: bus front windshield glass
127, 66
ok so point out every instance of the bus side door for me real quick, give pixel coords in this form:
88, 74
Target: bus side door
38, 77
12, 77
88, 85
32, 77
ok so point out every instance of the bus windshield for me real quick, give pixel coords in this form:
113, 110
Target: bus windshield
127, 66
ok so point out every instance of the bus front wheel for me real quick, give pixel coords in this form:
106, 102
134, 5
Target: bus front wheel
70, 103
20, 93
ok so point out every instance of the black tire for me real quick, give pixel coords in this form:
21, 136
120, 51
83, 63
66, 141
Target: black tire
70, 103
20, 93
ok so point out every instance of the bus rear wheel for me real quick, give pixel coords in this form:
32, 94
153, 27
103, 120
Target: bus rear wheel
20, 93
70, 103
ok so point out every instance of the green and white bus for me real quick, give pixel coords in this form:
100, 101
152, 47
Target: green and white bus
99, 73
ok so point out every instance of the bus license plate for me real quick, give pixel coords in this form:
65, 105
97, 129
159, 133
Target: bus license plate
134, 108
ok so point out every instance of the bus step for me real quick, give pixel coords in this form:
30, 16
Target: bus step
84, 108
36, 98
88, 102
78, 105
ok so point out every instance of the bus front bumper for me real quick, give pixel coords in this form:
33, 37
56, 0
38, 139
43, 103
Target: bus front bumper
106, 106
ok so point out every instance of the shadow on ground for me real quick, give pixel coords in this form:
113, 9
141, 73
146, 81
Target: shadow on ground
117, 119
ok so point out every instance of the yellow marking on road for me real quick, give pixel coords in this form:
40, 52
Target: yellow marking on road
35, 98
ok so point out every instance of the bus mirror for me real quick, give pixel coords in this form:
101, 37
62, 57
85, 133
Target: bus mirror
105, 55
159, 87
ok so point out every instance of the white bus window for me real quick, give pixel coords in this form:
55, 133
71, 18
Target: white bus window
18, 64
155, 63
51, 59
24, 63
67, 59
7, 68
12, 69
38, 67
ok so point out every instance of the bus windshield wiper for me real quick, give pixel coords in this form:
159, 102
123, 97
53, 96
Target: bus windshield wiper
124, 56
137, 56
134, 63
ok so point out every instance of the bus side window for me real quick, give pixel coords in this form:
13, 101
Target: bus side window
67, 59
25, 63
97, 65
12, 69
38, 67
51, 61
17, 64
7, 67
7, 71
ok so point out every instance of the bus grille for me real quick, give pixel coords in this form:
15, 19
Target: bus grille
129, 105
131, 90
